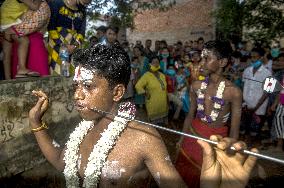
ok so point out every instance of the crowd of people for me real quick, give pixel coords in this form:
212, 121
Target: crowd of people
108, 149
212, 87
165, 75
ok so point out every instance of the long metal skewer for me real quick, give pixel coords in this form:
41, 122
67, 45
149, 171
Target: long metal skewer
260, 81
192, 136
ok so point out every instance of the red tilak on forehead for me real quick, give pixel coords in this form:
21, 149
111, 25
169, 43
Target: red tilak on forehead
77, 73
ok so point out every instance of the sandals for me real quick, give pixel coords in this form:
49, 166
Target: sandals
28, 74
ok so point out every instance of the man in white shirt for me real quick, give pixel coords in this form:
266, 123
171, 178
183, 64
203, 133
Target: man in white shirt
255, 100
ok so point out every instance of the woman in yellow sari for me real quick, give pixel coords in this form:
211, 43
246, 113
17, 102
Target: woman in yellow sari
153, 85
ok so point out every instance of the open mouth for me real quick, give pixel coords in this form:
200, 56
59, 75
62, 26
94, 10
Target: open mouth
80, 107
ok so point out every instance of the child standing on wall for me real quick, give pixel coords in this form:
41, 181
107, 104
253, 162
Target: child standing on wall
19, 18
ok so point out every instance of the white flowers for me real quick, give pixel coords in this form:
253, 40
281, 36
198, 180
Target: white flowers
98, 156
71, 153
200, 107
203, 85
220, 90
100, 152
217, 106
218, 102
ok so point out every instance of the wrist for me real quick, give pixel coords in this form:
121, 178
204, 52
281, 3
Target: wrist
39, 127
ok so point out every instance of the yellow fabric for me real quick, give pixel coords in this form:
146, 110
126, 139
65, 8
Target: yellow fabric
11, 11
53, 56
156, 102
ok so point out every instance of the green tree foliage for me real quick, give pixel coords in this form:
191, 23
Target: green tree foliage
259, 20
122, 12
263, 19
229, 17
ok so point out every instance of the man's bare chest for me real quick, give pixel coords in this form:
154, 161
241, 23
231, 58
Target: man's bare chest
123, 160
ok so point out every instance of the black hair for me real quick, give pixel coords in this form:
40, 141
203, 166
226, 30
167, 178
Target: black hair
134, 58
102, 28
237, 54
108, 61
113, 28
280, 55
258, 50
179, 42
152, 57
221, 49
200, 38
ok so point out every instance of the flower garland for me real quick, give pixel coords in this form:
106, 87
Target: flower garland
218, 101
70, 155
98, 156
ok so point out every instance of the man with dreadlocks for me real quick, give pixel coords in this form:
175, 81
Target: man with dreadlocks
107, 151
214, 101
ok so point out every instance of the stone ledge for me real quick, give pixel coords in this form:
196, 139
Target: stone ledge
19, 151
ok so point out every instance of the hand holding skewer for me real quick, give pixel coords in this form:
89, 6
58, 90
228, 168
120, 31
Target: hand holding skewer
223, 167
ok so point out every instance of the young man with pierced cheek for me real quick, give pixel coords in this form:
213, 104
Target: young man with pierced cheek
106, 151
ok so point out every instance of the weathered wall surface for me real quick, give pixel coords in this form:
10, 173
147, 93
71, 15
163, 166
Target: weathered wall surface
18, 148
187, 20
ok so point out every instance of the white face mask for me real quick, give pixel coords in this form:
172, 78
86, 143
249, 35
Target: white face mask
82, 74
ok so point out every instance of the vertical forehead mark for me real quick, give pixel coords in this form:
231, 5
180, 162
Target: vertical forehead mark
82, 74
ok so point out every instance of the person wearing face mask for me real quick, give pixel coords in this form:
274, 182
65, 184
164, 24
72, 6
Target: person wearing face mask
66, 28
153, 84
172, 91
166, 60
275, 51
255, 101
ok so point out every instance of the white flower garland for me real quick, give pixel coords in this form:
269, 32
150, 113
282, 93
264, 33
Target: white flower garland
71, 153
100, 152
216, 106
98, 156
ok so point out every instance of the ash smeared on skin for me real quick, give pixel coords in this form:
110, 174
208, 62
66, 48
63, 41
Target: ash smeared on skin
169, 160
108, 61
158, 178
55, 144
112, 170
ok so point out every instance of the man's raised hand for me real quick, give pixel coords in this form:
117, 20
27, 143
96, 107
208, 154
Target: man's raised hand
39, 109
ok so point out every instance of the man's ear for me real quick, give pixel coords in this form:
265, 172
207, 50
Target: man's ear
118, 92
223, 62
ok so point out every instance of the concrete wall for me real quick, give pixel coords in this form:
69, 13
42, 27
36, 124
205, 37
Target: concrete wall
187, 20
19, 151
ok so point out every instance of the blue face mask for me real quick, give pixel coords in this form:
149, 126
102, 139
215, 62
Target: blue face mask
275, 52
165, 55
180, 79
256, 64
171, 72
134, 66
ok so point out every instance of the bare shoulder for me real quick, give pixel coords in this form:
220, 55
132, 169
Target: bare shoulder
142, 132
196, 85
232, 90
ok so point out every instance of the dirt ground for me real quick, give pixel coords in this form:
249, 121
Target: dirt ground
267, 174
